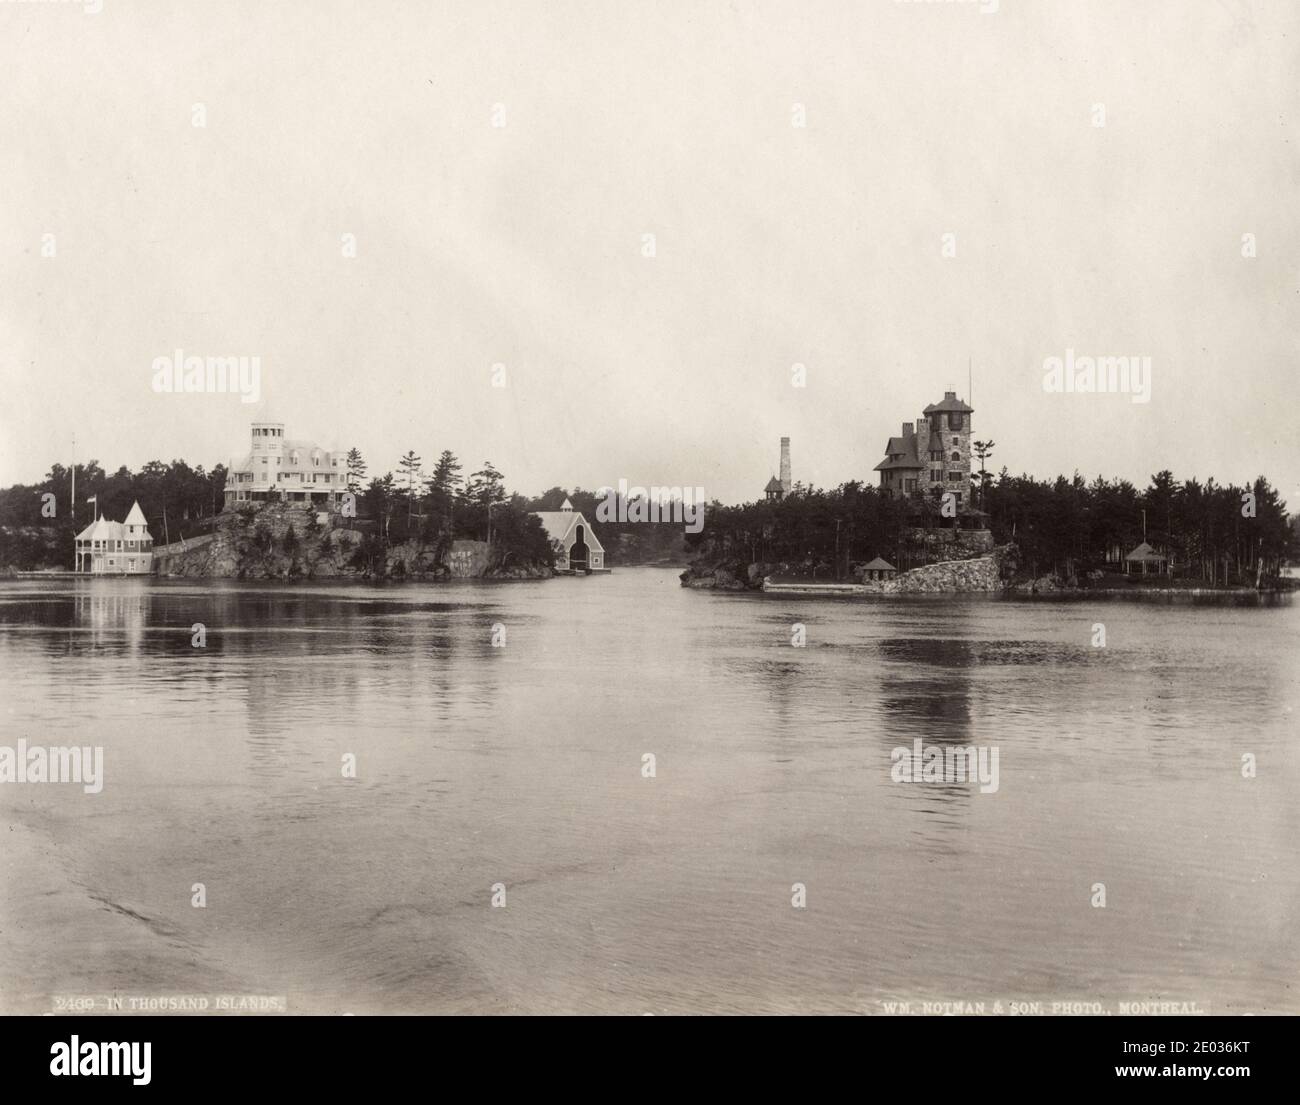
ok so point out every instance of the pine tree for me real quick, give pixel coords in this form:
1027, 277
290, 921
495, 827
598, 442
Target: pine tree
356, 470
983, 450
486, 487
410, 465
443, 485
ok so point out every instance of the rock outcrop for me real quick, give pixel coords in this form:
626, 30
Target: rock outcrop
284, 541
979, 574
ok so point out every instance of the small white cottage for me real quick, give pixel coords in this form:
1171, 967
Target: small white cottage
576, 547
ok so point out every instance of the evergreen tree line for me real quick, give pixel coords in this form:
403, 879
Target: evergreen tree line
1212, 532
440, 507
176, 499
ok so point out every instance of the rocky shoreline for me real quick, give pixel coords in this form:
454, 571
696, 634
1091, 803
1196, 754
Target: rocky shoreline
992, 574
284, 542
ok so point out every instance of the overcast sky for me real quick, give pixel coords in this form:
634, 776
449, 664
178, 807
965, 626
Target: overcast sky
774, 244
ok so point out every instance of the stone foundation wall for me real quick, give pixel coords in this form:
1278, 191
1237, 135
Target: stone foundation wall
948, 544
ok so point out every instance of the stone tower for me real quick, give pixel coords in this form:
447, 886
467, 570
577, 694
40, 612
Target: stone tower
944, 447
785, 467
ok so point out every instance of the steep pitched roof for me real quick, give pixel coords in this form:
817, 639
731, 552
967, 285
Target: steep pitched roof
135, 516
103, 530
1144, 552
556, 523
907, 447
559, 523
949, 402
773, 485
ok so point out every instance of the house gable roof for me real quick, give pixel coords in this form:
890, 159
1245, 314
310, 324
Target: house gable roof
906, 446
560, 523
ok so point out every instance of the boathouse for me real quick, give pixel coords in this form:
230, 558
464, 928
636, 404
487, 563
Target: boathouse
577, 549
116, 548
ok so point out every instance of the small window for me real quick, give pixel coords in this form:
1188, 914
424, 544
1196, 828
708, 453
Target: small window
956, 457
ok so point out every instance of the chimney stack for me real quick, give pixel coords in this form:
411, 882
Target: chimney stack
786, 485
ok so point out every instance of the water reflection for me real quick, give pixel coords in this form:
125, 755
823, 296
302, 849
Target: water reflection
523, 764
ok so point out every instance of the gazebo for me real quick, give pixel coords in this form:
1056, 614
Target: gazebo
878, 569
1144, 554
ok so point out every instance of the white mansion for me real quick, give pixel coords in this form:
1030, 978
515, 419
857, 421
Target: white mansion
116, 548
287, 471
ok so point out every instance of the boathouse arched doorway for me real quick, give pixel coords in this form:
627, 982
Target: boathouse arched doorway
578, 554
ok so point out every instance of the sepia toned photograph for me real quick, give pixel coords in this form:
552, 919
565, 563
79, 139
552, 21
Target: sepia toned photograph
627, 508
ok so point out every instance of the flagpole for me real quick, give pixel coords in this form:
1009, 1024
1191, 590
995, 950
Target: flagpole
75, 565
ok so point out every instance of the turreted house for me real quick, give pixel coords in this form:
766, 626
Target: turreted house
933, 456
116, 548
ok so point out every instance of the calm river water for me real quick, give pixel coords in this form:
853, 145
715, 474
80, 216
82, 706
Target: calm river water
522, 766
